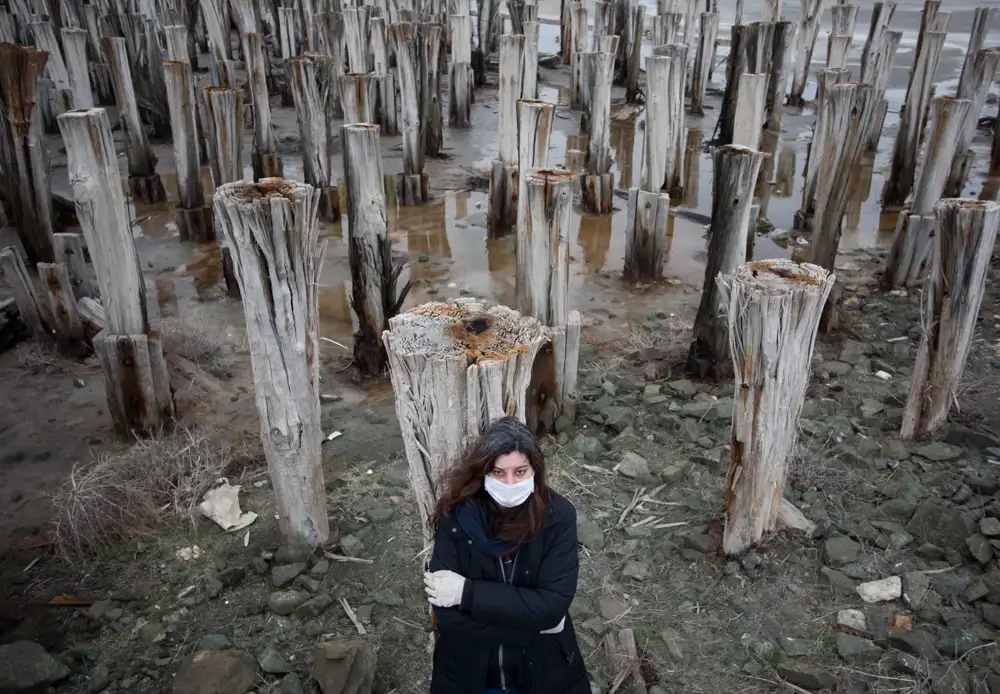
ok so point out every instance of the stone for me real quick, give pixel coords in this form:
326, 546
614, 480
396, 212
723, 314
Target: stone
636, 570
216, 672
387, 597
839, 582
672, 640
950, 584
617, 418
564, 425
856, 650
26, 667
989, 526
633, 465
916, 585
651, 395
351, 545
101, 608
590, 535
153, 632
795, 648
344, 667
611, 608
882, 590
589, 447
380, 513
840, 550
976, 591
991, 614
281, 576
979, 548
313, 607
98, 679
852, 621
807, 676
284, 602
952, 679
870, 407
214, 642
306, 583
954, 643
836, 368
700, 542
273, 663
683, 387
917, 643
938, 524
290, 684
320, 568
853, 352
939, 451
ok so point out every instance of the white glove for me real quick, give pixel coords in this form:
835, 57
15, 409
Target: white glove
444, 588
557, 628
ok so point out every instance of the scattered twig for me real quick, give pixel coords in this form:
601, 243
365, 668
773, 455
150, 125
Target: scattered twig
664, 526
779, 682
334, 342
31, 565
631, 505
409, 624
353, 617
342, 558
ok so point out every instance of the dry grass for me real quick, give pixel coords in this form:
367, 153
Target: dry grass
205, 343
126, 494
35, 357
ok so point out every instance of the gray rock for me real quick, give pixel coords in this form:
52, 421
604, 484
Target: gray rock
939, 451
991, 614
98, 679
273, 663
611, 608
836, 368
651, 395
215, 672
975, 591
806, 676
917, 643
290, 684
951, 679
950, 584
320, 568
633, 465
214, 642
284, 602
979, 548
589, 447
795, 648
617, 418
683, 387
938, 524
345, 667
954, 643
870, 407
101, 608
853, 352
26, 667
700, 542
387, 597
564, 425
151, 633
672, 640
989, 526
307, 583
838, 582
314, 607
380, 513
856, 650
907, 664
916, 585
590, 535
840, 550
351, 545
636, 570
281, 576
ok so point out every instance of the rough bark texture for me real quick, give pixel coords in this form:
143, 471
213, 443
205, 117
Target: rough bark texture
733, 179
774, 307
272, 229
912, 242
703, 61
455, 369
646, 235
502, 211
812, 12
301, 73
69, 251
598, 183
63, 317
966, 233
543, 233
975, 86
20, 284
194, 219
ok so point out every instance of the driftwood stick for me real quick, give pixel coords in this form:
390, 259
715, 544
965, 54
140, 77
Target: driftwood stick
194, 218
733, 179
272, 228
963, 244
774, 308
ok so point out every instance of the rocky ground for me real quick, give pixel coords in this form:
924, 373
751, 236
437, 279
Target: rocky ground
190, 609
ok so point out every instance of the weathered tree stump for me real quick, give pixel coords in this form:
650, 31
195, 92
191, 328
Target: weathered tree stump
412, 186
646, 235
598, 185
529, 78
194, 218
733, 179
466, 363
912, 242
431, 117
215, 15
805, 43
62, 314
460, 72
502, 213
272, 229
75, 46
386, 107
784, 36
375, 297
703, 60
69, 251
24, 162
875, 71
975, 86
144, 182
774, 308
138, 387
265, 159
751, 98
301, 74
899, 183
963, 244
16, 276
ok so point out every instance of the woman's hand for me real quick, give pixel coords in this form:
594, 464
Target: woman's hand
444, 588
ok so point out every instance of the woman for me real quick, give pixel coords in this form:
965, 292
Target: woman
504, 573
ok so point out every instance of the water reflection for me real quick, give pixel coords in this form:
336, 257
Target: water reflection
991, 189
594, 238
784, 180
623, 141
692, 168
859, 189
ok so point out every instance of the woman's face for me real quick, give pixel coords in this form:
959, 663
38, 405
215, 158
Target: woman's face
512, 468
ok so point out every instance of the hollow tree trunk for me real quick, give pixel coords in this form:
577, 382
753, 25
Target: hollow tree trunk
194, 218
967, 230
272, 228
774, 308
301, 73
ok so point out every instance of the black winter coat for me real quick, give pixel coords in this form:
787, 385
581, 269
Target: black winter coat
494, 613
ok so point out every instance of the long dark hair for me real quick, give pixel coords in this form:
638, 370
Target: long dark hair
465, 481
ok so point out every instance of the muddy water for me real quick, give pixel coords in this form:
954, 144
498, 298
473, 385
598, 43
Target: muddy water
444, 243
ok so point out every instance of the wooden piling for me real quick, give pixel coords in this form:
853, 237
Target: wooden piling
837, 49
975, 86
882, 13
812, 13
529, 80
535, 121
460, 72
733, 179
774, 307
784, 36
502, 214
543, 241
912, 242
25, 293
633, 58
301, 74
750, 52
272, 228
431, 117
481, 55
667, 28
703, 61
69, 251
61, 94
359, 96
876, 72
977, 41
967, 230
750, 102
75, 46
355, 41
138, 386
412, 186
597, 185
194, 218
215, 15
62, 315
899, 183
265, 159
374, 297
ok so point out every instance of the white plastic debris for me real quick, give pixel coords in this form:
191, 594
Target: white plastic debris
334, 435
188, 553
881, 591
883, 375
222, 505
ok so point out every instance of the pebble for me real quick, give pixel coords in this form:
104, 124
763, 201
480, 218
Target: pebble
881, 591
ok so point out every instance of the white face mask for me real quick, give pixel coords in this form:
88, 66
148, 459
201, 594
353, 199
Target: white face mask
509, 495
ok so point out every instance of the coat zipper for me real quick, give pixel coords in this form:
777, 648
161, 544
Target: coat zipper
513, 568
